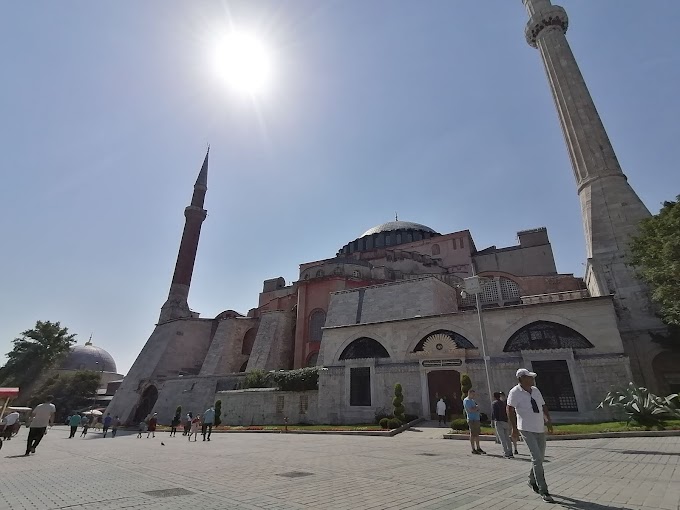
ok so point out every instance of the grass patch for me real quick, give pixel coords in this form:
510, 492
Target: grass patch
594, 428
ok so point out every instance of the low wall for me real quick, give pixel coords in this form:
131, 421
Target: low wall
268, 406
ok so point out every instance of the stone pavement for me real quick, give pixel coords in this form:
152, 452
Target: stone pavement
288, 471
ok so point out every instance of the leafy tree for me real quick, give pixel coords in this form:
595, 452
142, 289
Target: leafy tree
656, 255
218, 413
465, 385
36, 350
398, 403
71, 391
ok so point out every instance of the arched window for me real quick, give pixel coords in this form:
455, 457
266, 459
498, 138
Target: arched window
356, 273
319, 273
546, 335
435, 249
337, 271
306, 276
509, 290
312, 359
442, 341
317, 319
364, 348
248, 341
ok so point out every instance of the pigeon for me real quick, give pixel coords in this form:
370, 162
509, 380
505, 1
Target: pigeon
162, 443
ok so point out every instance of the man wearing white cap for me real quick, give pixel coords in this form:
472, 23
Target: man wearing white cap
528, 415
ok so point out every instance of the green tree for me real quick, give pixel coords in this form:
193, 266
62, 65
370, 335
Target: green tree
71, 391
37, 349
218, 413
398, 403
465, 385
656, 256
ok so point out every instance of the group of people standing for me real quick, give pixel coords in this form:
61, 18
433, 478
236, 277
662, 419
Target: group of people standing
523, 413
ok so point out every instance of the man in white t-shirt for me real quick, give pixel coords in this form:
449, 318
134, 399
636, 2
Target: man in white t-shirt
43, 416
10, 422
529, 415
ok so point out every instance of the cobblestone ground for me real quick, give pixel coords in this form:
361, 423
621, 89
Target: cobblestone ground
286, 471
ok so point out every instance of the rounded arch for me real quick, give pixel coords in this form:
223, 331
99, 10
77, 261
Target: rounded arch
540, 335
351, 338
316, 322
248, 341
442, 340
363, 348
435, 249
146, 403
537, 317
439, 326
312, 359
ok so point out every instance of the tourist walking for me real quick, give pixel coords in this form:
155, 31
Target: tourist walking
85, 423
176, 420
141, 429
208, 421
528, 416
153, 421
107, 423
73, 422
114, 426
441, 411
41, 417
187, 423
195, 424
499, 416
473, 418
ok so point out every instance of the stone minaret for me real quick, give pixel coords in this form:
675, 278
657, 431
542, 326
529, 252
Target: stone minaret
176, 305
611, 210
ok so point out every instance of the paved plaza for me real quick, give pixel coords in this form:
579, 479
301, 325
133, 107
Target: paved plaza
416, 469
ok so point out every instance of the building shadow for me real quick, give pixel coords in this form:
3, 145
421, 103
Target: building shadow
644, 452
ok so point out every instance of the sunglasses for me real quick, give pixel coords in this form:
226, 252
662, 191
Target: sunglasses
534, 405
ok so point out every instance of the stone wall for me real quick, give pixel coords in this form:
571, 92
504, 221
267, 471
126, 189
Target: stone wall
267, 406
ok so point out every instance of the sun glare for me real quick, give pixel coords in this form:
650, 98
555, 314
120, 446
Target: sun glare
243, 61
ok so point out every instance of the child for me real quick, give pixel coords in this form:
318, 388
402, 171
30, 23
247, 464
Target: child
142, 428
195, 425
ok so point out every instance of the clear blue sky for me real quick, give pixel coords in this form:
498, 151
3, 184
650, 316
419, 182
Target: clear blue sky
438, 110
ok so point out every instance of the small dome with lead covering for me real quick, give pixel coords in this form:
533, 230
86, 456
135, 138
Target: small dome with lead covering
89, 357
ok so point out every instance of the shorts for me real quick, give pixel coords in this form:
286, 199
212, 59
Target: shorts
475, 427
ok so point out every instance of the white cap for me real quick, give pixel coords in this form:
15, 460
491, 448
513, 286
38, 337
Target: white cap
524, 372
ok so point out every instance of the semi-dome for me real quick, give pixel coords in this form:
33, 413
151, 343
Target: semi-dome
391, 226
89, 357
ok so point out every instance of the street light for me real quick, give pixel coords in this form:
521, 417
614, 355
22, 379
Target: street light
473, 285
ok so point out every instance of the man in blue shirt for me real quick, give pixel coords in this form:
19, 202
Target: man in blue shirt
473, 416
208, 421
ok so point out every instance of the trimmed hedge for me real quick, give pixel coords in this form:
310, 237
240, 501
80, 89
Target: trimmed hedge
385, 423
393, 423
301, 379
459, 424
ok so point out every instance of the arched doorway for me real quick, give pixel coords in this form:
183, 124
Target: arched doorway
444, 384
666, 366
146, 403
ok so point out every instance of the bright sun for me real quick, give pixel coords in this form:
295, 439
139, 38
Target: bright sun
244, 62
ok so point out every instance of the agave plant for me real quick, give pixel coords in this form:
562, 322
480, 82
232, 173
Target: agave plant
640, 405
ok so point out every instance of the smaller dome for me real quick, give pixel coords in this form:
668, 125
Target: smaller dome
89, 357
391, 226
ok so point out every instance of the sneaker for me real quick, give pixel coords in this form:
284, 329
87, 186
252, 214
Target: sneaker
533, 486
509, 456
479, 450
547, 498
32, 450
475, 452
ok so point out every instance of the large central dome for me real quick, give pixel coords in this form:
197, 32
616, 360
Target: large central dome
391, 226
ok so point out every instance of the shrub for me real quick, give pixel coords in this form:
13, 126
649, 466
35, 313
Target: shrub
257, 379
483, 417
218, 413
302, 379
393, 423
380, 414
384, 423
465, 385
640, 405
397, 402
178, 410
459, 424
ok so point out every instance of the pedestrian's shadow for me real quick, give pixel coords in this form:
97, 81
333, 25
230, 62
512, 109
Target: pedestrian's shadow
15, 456
576, 504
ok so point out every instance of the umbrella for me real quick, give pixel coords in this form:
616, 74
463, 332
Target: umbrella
93, 413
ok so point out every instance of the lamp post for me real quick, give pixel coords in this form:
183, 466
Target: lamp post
473, 285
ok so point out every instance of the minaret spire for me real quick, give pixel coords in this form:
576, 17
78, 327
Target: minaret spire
611, 210
176, 305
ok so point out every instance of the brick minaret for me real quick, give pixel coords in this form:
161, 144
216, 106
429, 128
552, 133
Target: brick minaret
610, 209
176, 305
